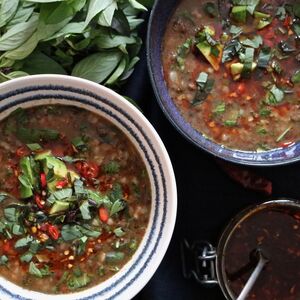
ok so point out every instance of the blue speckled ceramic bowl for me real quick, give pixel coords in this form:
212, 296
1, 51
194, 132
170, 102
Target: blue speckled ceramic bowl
159, 18
54, 89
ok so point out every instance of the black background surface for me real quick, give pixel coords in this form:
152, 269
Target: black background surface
207, 197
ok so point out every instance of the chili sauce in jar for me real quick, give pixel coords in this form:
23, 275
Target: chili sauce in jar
273, 227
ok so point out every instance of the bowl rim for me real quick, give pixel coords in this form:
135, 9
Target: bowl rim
131, 110
248, 158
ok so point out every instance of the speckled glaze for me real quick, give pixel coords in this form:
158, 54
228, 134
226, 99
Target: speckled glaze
160, 15
55, 89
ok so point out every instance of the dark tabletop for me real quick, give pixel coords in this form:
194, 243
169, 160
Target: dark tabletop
207, 197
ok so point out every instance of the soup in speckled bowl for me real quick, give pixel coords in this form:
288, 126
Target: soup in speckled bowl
230, 75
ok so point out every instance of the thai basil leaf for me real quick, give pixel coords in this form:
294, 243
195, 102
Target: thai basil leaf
18, 34
40, 63
97, 67
22, 15
7, 10
106, 16
135, 4
95, 7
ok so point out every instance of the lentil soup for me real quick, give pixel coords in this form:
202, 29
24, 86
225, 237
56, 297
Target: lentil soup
75, 199
234, 73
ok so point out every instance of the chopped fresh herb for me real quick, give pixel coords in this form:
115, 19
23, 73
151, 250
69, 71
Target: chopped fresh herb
3, 260
182, 52
256, 42
116, 192
76, 282
235, 30
26, 257
34, 147
262, 131
114, 256
33, 135
274, 96
230, 123
296, 77
231, 50
205, 86
72, 232
264, 112
101, 271
111, 167
85, 211
264, 57
3, 196
117, 206
11, 214
23, 242
211, 9
79, 143
35, 271
119, 232
220, 108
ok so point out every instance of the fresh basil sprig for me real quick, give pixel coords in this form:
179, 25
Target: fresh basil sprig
91, 39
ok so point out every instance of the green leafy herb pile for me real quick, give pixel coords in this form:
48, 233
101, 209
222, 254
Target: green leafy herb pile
92, 39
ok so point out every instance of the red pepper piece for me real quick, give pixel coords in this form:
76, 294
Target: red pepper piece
247, 178
53, 232
88, 170
61, 184
43, 180
103, 214
22, 151
39, 202
44, 227
287, 21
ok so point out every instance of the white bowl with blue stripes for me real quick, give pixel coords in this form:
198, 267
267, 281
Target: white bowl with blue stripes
56, 89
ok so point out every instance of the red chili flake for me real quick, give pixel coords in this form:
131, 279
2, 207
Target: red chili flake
88, 170
103, 214
43, 180
39, 202
53, 232
247, 178
126, 191
61, 184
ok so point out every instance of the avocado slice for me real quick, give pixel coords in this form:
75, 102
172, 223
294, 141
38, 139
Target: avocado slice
205, 49
239, 14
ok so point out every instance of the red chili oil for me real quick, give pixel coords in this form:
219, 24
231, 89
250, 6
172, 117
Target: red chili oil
276, 230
